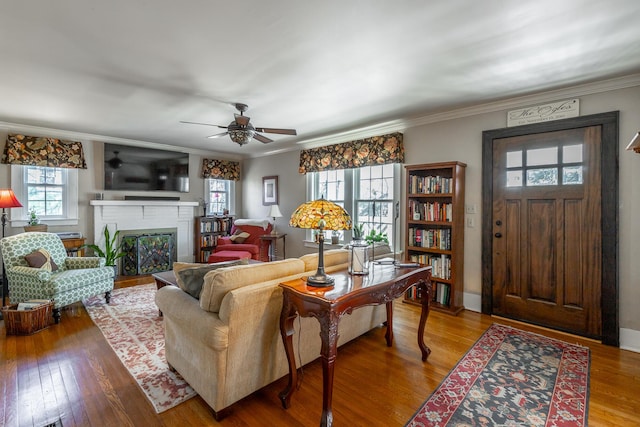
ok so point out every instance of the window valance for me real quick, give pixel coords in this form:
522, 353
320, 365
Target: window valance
221, 169
378, 150
43, 151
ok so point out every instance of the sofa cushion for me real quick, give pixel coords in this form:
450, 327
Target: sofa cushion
331, 257
41, 258
190, 279
217, 283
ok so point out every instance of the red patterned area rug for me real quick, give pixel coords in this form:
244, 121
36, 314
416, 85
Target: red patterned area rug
512, 378
133, 328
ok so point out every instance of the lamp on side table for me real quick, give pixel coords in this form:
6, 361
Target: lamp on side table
7, 200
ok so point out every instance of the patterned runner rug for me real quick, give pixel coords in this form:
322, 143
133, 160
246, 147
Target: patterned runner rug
512, 378
133, 328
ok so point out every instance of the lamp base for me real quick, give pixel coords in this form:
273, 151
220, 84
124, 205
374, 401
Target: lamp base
320, 281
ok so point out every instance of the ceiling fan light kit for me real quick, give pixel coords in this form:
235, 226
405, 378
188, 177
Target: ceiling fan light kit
242, 132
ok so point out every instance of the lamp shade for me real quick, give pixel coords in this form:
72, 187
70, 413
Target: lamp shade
635, 143
274, 212
8, 199
320, 214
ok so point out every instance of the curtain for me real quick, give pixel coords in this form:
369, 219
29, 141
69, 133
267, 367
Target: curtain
221, 169
378, 150
43, 151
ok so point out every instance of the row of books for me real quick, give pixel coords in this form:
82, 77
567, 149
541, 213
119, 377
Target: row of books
430, 185
440, 265
430, 211
439, 238
442, 294
209, 240
32, 304
214, 225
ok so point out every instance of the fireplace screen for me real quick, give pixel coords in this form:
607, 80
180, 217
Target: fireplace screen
147, 253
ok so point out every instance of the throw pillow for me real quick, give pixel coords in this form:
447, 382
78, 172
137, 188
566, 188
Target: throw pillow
41, 258
240, 237
191, 279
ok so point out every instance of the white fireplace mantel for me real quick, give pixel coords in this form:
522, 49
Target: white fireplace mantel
145, 215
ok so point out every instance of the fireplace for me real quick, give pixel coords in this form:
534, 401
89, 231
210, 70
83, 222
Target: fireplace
147, 251
146, 217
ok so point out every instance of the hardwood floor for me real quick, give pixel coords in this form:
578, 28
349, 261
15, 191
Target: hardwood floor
69, 372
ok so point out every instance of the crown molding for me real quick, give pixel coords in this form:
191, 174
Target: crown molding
89, 137
400, 125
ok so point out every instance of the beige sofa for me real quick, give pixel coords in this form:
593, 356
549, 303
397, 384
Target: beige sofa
228, 345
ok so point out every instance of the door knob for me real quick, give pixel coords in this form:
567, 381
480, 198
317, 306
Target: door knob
498, 222
498, 235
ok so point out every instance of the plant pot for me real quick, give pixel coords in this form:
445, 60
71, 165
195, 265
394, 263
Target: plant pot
39, 227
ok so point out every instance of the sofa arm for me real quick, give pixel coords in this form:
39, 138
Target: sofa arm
20, 273
184, 312
224, 240
75, 263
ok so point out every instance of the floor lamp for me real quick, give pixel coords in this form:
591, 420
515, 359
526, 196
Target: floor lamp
7, 200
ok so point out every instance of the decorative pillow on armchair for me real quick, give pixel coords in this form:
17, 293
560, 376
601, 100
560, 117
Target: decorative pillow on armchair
191, 279
41, 258
240, 236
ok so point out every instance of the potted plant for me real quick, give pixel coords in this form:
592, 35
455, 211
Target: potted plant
112, 250
33, 223
376, 237
358, 231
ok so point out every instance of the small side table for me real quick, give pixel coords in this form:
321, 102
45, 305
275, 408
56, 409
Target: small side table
74, 246
273, 244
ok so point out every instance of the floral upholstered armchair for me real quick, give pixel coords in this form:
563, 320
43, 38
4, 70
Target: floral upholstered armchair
37, 267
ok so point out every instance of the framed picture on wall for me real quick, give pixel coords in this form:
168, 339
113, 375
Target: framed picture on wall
269, 190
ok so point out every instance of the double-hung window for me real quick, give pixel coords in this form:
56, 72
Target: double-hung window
51, 192
219, 196
368, 194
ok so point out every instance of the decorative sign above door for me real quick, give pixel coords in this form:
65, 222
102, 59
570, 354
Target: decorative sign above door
544, 113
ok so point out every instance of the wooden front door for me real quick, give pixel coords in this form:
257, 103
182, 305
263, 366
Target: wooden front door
546, 228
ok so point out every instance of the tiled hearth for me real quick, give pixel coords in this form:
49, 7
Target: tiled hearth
145, 215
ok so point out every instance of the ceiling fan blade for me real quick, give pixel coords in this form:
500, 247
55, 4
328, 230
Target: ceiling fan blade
242, 120
262, 138
204, 124
280, 131
218, 135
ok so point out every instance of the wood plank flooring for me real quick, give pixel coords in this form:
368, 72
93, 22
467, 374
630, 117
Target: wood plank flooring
69, 372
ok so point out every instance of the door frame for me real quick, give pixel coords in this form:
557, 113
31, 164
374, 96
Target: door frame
609, 166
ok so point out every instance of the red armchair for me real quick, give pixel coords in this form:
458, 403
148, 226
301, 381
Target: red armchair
259, 249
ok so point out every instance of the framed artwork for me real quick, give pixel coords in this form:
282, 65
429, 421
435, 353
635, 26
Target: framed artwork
269, 190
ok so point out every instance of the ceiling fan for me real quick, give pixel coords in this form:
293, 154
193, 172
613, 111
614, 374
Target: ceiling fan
241, 131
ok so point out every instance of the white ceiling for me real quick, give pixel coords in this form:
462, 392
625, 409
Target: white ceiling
133, 69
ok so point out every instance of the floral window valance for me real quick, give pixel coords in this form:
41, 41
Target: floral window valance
43, 151
378, 150
221, 169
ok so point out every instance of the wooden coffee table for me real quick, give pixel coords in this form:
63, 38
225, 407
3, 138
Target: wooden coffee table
382, 285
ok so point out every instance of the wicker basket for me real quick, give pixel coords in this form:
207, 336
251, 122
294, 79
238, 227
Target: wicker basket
27, 322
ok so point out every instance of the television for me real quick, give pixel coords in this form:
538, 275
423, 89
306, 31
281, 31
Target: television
134, 168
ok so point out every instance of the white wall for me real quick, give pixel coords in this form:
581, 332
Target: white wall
461, 139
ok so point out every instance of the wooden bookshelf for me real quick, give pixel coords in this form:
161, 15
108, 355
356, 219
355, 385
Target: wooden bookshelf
434, 232
207, 231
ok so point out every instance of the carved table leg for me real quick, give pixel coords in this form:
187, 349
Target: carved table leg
389, 334
287, 317
425, 290
329, 335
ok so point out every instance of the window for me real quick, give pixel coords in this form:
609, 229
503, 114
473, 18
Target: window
545, 166
51, 192
368, 194
219, 196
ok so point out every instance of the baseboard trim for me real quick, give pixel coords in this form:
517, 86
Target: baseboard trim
472, 302
630, 340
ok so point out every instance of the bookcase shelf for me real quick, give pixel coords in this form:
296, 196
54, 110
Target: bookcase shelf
434, 232
207, 231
